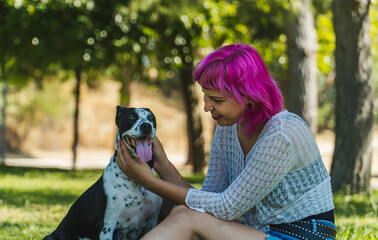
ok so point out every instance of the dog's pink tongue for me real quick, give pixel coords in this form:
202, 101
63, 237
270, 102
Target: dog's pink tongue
143, 150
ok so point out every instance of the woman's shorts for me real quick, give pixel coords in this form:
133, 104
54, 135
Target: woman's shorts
309, 229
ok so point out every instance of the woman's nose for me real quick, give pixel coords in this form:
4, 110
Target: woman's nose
207, 107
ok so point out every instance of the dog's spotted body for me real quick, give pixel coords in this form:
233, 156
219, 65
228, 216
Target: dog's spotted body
115, 207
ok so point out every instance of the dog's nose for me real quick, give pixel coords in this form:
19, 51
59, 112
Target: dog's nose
146, 127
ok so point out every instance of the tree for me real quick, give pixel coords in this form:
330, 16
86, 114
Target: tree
3, 115
301, 50
276, 29
128, 42
202, 24
17, 61
4, 43
354, 97
177, 45
72, 35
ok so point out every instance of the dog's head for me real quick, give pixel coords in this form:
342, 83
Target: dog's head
137, 128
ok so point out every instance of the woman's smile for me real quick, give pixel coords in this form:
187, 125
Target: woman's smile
216, 117
224, 110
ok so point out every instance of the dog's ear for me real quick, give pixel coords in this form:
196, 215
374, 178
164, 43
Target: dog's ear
118, 114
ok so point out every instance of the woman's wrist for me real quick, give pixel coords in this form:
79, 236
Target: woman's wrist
168, 190
166, 170
169, 173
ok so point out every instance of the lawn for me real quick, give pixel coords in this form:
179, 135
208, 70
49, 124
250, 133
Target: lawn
33, 201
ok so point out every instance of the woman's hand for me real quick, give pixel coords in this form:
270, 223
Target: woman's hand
166, 170
133, 167
160, 157
141, 173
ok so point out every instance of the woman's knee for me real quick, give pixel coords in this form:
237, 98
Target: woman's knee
185, 219
180, 211
181, 214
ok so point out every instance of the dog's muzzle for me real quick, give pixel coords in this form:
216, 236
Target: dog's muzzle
142, 146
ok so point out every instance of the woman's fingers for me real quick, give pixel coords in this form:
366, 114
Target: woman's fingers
124, 157
156, 145
119, 158
133, 167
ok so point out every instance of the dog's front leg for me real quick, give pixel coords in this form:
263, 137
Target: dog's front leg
108, 231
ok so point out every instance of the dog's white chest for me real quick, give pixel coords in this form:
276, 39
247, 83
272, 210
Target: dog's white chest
131, 210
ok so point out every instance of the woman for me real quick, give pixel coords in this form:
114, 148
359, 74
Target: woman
264, 163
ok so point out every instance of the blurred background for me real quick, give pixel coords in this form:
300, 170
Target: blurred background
66, 64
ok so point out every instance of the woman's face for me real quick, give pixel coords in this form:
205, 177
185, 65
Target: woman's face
226, 111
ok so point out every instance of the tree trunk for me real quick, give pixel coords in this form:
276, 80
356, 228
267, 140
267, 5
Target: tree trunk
302, 69
354, 96
127, 74
76, 117
196, 153
3, 118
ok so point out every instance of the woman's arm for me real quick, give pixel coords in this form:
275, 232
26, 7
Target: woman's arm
269, 163
174, 188
216, 179
166, 170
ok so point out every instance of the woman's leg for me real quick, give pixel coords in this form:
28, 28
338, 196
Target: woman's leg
184, 223
165, 210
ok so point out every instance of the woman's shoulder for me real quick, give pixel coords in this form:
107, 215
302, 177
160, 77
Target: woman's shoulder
285, 117
284, 122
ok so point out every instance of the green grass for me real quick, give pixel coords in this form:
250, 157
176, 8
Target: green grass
357, 216
33, 201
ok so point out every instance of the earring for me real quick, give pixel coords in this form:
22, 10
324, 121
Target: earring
249, 106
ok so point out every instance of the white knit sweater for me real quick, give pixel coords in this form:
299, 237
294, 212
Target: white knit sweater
282, 178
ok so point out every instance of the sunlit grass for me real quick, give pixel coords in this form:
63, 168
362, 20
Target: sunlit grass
357, 216
34, 201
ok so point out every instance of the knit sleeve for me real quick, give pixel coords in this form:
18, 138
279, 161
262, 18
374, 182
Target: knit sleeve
215, 180
270, 161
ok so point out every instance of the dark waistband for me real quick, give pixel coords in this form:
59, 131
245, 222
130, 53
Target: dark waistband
328, 216
306, 229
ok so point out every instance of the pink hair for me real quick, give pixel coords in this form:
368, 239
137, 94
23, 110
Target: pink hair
238, 71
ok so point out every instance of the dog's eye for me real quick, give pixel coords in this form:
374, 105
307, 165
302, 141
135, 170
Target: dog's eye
150, 117
131, 117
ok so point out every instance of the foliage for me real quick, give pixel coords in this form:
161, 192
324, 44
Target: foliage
356, 215
326, 40
35, 106
326, 64
145, 37
33, 201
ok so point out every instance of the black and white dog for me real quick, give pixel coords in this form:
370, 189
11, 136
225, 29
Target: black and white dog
115, 207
